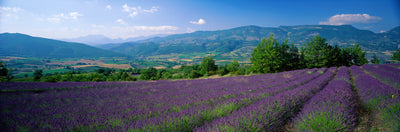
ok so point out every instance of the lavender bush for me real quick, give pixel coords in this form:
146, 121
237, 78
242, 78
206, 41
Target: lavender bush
332, 109
269, 113
389, 77
243, 103
378, 97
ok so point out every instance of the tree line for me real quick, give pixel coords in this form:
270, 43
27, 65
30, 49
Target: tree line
268, 56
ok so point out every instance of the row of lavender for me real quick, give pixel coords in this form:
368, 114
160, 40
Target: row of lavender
123, 103
332, 109
245, 103
388, 74
378, 97
270, 113
187, 119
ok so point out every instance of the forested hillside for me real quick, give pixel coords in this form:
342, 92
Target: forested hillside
239, 42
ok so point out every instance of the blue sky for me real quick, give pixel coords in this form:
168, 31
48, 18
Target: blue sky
133, 18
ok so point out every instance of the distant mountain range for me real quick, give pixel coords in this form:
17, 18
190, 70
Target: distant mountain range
239, 42
15, 44
99, 40
223, 44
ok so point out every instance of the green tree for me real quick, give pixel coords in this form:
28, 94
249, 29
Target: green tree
37, 74
270, 56
265, 56
345, 57
396, 56
375, 59
188, 71
316, 52
193, 74
167, 75
233, 67
358, 56
3, 69
334, 56
160, 73
96, 77
68, 77
207, 65
222, 70
4, 73
125, 76
149, 74
290, 58
53, 78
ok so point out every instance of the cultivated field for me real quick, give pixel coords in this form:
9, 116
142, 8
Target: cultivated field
356, 98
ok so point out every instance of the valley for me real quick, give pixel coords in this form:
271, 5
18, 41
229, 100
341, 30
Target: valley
185, 49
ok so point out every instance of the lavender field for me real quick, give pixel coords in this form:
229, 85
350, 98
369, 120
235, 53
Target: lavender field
356, 98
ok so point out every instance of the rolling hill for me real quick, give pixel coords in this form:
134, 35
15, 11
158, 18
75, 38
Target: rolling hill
239, 42
15, 44
100, 40
225, 45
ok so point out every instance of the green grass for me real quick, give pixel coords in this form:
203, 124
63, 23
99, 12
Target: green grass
391, 117
226, 128
187, 123
321, 121
116, 122
30, 74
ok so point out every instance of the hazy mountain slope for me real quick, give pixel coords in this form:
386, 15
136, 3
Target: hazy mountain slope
100, 40
238, 42
15, 44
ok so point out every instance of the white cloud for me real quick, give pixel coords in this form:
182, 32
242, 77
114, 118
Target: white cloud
74, 15
114, 32
134, 11
108, 7
136, 31
152, 28
350, 19
121, 21
10, 11
126, 8
200, 22
97, 26
59, 17
152, 10
54, 19
189, 30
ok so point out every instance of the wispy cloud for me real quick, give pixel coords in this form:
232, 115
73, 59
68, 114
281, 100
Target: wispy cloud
121, 21
152, 10
350, 19
60, 17
135, 31
108, 7
74, 15
10, 11
200, 22
97, 26
189, 30
152, 28
134, 11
